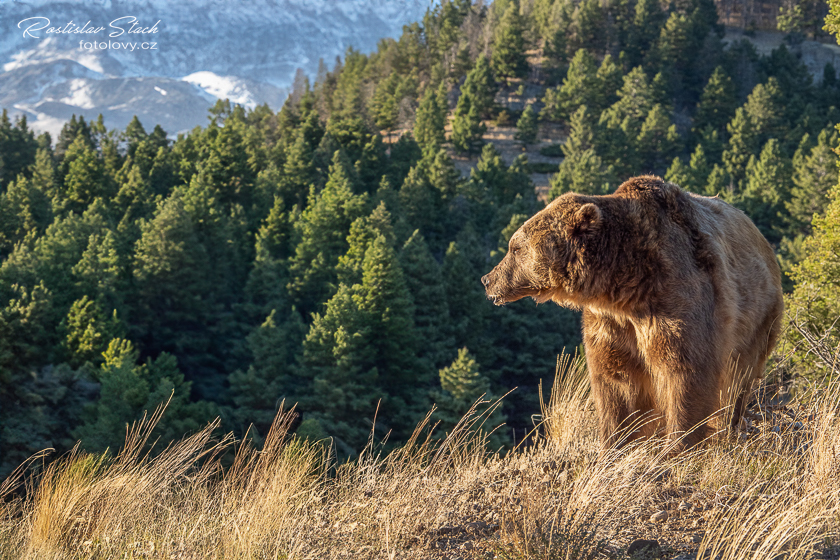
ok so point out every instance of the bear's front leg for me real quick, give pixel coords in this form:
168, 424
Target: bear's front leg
686, 383
621, 387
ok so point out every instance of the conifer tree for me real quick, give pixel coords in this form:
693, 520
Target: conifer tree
814, 303
680, 174
508, 58
692, 177
467, 128
717, 103
102, 271
272, 376
384, 107
623, 121
322, 229
424, 281
658, 139
388, 311
648, 19
554, 33
405, 154
128, 390
581, 86
480, 84
487, 184
24, 208
582, 170
464, 297
589, 26
337, 360
461, 386
430, 123
813, 176
265, 289
610, 78
85, 177
299, 171
767, 189
88, 332
363, 231
526, 126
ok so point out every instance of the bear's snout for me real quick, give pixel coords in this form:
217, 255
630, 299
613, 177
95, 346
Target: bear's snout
490, 288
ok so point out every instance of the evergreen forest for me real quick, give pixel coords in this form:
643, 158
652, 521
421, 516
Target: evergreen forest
329, 254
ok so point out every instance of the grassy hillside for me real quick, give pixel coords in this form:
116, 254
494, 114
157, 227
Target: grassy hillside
770, 491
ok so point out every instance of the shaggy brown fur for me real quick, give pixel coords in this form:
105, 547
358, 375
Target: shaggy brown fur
681, 299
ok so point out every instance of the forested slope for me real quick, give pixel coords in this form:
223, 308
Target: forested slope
329, 254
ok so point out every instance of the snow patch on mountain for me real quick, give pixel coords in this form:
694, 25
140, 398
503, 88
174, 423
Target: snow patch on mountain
223, 87
247, 52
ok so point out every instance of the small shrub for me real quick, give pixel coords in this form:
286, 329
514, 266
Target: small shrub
542, 167
552, 150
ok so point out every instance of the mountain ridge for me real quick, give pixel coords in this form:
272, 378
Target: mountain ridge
247, 53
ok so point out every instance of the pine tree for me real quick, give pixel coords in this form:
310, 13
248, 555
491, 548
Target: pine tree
299, 171
814, 303
102, 271
767, 189
24, 208
384, 108
272, 376
589, 26
692, 177
554, 33
265, 289
88, 332
581, 86
680, 174
526, 126
719, 183
658, 140
508, 58
337, 358
430, 123
467, 128
389, 315
405, 154
648, 19
480, 85
363, 231
623, 121
743, 139
424, 281
322, 230
85, 177
40, 402
610, 78
465, 298
173, 277
717, 103
813, 176
582, 170
128, 390
462, 385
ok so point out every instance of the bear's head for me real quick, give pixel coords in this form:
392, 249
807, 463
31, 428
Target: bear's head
543, 258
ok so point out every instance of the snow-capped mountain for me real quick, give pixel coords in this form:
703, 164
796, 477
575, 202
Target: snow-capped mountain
168, 61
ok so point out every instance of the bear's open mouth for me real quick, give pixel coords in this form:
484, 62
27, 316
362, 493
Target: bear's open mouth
497, 300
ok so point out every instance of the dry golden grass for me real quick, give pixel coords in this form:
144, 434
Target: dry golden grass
770, 491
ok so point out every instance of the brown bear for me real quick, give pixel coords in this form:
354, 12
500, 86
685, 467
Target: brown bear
681, 298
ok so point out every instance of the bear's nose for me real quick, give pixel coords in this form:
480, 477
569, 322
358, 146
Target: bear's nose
485, 280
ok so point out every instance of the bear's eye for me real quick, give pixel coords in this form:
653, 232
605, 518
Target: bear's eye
515, 251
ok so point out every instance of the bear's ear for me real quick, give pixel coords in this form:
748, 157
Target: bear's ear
586, 220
